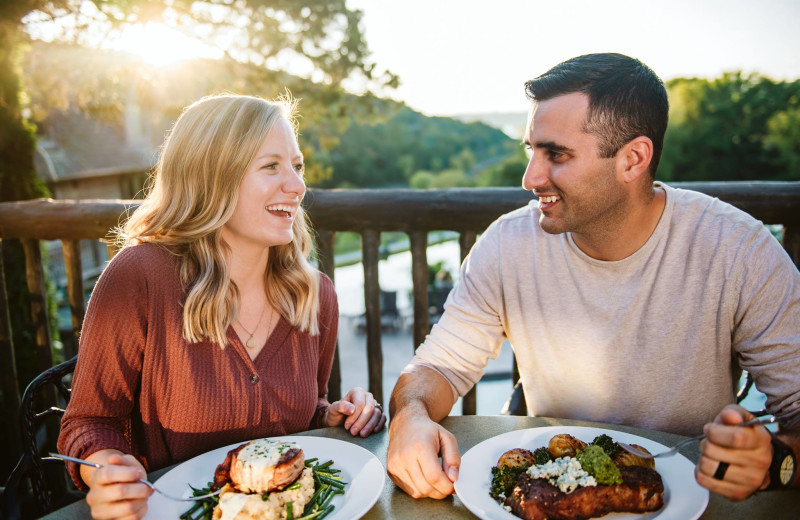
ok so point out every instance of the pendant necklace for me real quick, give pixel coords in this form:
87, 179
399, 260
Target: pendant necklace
250, 343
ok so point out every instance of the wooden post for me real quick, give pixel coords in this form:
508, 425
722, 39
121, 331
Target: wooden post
419, 278
73, 264
469, 404
38, 295
8, 369
325, 255
372, 301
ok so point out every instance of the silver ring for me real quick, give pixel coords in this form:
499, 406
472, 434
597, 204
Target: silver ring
379, 407
721, 469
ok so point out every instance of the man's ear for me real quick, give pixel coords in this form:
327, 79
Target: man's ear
633, 159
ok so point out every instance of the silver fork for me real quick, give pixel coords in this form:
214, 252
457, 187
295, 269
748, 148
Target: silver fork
673, 450
143, 481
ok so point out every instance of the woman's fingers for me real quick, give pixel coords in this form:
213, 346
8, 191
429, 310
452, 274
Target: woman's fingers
114, 490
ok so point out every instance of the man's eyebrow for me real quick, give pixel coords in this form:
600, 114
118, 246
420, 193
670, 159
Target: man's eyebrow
550, 145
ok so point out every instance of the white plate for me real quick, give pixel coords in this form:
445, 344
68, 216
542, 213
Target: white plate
362, 471
684, 499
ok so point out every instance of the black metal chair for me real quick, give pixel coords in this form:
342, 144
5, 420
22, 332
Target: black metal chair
39, 484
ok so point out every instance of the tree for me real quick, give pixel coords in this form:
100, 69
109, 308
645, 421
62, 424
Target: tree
259, 35
725, 128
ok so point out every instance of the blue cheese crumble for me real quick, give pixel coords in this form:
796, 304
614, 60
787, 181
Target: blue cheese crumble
565, 473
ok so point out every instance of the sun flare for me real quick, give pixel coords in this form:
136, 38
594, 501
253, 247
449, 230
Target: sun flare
160, 45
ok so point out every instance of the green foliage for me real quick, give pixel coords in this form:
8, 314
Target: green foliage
734, 127
422, 180
395, 151
783, 139
508, 173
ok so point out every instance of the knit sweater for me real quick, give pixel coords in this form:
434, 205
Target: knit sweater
139, 387
655, 340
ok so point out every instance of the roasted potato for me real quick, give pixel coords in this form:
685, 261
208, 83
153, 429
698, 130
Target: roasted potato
626, 458
516, 458
564, 445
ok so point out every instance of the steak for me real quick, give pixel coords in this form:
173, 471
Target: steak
641, 491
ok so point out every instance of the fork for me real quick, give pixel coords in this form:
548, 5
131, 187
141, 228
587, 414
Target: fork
143, 481
673, 450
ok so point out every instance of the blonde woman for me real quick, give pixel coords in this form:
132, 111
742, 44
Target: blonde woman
209, 327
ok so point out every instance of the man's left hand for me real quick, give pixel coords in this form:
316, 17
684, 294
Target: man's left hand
747, 452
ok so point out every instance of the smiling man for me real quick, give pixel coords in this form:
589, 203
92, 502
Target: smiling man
625, 300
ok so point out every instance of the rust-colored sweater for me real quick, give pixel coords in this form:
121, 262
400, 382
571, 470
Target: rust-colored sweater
139, 387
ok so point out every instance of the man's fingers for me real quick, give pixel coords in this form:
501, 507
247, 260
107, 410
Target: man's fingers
451, 458
406, 483
432, 477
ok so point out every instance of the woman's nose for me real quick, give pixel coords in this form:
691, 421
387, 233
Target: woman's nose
295, 184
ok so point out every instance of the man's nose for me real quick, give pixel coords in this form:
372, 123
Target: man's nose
535, 174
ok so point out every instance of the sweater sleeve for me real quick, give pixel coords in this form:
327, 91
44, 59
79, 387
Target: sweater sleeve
328, 330
766, 332
108, 372
471, 329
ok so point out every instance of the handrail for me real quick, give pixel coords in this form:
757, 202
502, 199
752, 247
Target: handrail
467, 211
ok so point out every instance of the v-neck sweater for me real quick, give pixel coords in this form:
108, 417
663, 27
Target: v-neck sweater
141, 388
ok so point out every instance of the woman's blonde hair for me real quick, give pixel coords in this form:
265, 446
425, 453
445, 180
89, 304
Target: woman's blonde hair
192, 194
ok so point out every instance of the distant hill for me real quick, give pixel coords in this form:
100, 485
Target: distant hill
511, 123
387, 153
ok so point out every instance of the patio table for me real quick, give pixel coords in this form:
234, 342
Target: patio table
394, 504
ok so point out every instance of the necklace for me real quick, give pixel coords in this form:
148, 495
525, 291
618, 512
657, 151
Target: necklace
250, 343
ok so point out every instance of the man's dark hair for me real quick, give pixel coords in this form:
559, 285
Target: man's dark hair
626, 99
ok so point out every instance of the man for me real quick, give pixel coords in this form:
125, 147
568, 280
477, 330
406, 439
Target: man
625, 300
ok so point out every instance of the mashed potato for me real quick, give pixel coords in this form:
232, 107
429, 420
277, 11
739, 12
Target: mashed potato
241, 506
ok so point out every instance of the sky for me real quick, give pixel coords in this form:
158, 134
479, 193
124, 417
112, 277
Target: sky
468, 56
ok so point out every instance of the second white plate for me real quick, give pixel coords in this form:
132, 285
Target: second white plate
684, 498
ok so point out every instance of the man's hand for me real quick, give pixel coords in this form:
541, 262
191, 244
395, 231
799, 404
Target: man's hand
415, 445
746, 450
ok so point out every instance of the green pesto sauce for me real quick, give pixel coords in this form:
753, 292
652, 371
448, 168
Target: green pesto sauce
598, 464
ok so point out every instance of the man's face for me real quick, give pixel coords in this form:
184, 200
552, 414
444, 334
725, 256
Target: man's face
578, 191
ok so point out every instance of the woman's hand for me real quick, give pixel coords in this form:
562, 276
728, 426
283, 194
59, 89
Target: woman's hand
113, 489
360, 413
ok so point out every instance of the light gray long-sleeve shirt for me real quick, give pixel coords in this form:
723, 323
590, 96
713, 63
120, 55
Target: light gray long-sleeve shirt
655, 340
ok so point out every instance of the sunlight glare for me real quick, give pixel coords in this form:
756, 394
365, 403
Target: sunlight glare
160, 45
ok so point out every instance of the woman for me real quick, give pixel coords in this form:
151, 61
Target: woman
209, 327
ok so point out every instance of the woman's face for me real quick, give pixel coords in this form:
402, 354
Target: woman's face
269, 194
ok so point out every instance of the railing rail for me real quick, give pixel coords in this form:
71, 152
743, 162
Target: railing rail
467, 211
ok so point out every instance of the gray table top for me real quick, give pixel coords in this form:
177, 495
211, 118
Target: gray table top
470, 430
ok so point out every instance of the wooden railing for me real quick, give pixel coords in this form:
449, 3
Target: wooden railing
467, 211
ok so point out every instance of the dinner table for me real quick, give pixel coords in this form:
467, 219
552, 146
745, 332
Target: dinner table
394, 504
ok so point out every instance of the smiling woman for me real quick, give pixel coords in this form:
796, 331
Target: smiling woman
159, 45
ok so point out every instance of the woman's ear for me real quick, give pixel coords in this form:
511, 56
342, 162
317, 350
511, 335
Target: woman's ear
634, 158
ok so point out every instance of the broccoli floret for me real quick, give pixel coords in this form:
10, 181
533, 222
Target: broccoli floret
504, 478
607, 443
541, 455
598, 464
